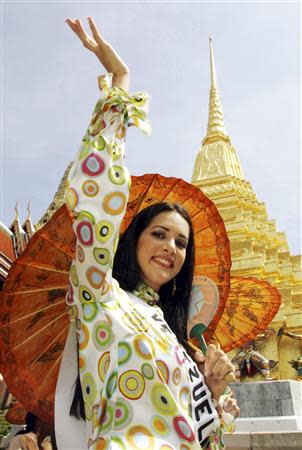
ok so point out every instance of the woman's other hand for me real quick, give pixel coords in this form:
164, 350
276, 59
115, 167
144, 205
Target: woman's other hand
214, 366
103, 50
231, 407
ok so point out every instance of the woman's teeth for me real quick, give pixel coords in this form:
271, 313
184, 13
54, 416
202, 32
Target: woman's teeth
164, 262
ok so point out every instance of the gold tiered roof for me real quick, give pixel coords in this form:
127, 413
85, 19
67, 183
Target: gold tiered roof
258, 248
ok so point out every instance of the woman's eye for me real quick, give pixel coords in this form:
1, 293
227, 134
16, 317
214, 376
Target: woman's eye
158, 234
181, 244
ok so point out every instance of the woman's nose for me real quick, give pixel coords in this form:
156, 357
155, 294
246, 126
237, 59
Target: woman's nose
170, 246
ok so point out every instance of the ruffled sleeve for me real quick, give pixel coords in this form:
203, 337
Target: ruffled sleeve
98, 189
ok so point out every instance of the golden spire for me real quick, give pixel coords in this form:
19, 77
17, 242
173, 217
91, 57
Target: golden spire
217, 156
216, 130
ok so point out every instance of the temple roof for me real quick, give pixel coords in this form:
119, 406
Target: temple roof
6, 242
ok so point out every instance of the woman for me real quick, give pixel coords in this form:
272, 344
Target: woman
140, 387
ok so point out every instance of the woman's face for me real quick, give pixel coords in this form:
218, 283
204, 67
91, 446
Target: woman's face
161, 248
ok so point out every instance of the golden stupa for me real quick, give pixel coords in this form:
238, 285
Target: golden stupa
258, 248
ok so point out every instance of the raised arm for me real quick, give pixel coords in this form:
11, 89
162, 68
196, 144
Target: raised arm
99, 181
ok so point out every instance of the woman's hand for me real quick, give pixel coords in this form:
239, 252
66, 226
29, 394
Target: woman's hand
104, 52
231, 407
214, 366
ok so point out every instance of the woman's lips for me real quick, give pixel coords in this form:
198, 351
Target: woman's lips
164, 261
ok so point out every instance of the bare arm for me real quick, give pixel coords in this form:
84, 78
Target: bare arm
103, 51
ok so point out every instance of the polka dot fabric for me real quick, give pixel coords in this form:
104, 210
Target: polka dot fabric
135, 377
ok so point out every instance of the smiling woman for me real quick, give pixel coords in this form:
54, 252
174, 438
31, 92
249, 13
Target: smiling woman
161, 249
158, 248
136, 385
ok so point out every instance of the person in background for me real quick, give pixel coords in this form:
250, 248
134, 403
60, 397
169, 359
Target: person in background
30, 438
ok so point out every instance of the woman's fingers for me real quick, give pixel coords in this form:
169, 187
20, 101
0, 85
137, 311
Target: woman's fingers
222, 367
95, 32
211, 358
217, 363
78, 29
73, 25
199, 357
103, 51
231, 407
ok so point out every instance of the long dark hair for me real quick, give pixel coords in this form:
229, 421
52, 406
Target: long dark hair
174, 295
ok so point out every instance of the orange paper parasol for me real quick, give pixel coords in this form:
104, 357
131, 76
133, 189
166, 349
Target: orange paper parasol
34, 322
249, 309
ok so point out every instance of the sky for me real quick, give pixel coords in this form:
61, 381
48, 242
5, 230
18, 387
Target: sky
49, 88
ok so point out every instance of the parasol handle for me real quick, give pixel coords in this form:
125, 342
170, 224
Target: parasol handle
196, 333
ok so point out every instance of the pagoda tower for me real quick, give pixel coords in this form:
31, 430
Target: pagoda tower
258, 249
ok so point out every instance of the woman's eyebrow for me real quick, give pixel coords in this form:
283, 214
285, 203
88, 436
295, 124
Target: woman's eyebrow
168, 229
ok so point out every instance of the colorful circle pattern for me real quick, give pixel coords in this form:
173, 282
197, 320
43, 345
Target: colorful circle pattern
163, 400
89, 388
90, 311
102, 335
85, 294
90, 188
144, 347
176, 376
140, 437
163, 371
123, 414
147, 371
124, 352
85, 233
101, 255
84, 336
114, 203
95, 277
81, 254
183, 429
132, 384
117, 175
160, 426
103, 365
93, 165
111, 384
104, 230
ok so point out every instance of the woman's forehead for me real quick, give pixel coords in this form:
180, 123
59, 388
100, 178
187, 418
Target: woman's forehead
171, 220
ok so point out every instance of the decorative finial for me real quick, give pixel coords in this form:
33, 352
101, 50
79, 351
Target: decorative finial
213, 70
28, 210
16, 209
